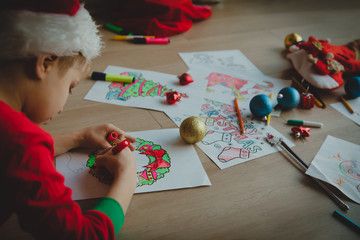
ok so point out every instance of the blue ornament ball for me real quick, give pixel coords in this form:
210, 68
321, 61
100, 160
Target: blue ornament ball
352, 87
261, 105
288, 98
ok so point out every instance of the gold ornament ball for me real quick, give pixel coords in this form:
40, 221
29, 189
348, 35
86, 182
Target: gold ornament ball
192, 129
291, 39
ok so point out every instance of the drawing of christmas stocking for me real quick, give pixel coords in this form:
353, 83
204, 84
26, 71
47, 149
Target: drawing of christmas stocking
213, 136
230, 153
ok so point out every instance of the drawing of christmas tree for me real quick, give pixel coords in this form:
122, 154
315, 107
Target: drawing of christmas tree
140, 88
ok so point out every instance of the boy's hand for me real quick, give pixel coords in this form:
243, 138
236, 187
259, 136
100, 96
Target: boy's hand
117, 163
95, 137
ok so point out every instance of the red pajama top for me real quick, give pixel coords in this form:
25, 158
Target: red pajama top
31, 187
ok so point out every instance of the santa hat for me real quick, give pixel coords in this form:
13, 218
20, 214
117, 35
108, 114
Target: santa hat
58, 27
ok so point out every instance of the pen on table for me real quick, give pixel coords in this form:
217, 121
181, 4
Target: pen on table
304, 123
347, 105
112, 77
241, 123
151, 40
347, 221
318, 101
130, 37
269, 116
275, 140
120, 146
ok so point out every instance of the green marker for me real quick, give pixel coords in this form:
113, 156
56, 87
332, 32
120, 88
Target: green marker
113, 28
304, 123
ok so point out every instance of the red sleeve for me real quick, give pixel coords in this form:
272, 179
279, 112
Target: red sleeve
33, 189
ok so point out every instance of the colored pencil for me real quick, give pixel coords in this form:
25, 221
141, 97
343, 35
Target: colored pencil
276, 140
347, 105
241, 123
269, 116
347, 221
236, 91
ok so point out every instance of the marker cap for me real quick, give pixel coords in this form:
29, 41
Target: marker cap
152, 40
112, 77
98, 76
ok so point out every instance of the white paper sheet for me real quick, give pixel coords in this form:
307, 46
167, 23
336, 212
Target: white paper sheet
148, 91
223, 142
227, 60
355, 105
338, 163
182, 169
224, 87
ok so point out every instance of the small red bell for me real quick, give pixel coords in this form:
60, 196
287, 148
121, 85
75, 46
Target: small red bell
173, 97
301, 131
185, 79
307, 100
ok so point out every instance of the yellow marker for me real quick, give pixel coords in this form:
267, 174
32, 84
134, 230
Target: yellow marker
347, 105
130, 37
269, 116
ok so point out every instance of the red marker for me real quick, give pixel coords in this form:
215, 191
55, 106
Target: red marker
112, 136
152, 40
118, 148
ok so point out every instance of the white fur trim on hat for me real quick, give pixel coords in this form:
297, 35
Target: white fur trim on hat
28, 34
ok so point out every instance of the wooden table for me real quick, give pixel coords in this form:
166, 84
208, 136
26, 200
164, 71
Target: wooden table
266, 198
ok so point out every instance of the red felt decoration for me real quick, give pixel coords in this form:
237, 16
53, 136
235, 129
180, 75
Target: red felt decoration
173, 97
161, 18
185, 79
301, 131
322, 64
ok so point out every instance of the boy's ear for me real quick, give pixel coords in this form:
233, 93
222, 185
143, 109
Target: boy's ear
44, 64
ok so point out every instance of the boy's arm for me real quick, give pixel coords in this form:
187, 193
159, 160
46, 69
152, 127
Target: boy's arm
66, 141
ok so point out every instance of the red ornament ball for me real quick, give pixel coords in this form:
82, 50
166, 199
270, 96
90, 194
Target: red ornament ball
185, 79
173, 97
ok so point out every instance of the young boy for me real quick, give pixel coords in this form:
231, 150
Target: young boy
44, 52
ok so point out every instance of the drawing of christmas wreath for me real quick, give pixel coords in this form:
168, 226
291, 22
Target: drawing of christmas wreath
158, 165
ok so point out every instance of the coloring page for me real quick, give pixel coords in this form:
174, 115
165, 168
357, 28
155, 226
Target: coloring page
355, 105
163, 160
223, 143
226, 60
337, 163
148, 91
224, 87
